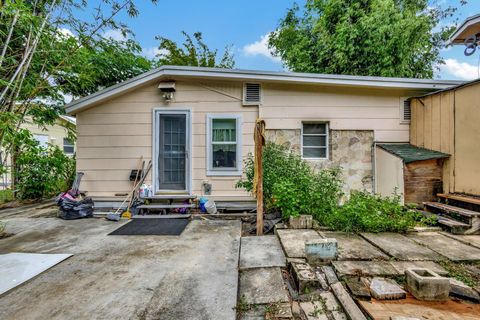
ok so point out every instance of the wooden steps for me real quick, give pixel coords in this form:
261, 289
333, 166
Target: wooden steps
455, 197
165, 206
455, 218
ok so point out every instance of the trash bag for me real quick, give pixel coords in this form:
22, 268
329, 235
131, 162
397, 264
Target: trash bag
71, 209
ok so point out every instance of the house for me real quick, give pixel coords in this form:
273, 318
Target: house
196, 124
56, 134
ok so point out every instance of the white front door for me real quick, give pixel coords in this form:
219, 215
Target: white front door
172, 151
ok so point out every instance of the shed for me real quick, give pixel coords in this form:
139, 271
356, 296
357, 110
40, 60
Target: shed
415, 171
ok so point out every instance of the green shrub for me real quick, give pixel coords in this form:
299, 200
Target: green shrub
43, 172
373, 213
6, 196
291, 185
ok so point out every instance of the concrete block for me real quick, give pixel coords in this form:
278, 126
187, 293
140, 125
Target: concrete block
322, 278
350, 307
386, 289
305, 277
301, 222
321, 250
461, 290
425, 284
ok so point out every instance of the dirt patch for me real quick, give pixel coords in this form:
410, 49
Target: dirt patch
6, 235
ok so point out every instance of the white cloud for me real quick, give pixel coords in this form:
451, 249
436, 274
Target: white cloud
153, 52
460, 70
114, 35
66, 32
260, 48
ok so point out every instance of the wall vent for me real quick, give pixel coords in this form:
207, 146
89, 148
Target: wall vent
406, 111
252, 93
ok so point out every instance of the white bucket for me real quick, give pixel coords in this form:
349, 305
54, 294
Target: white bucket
211, 207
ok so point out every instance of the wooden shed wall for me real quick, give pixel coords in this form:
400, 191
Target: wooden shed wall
449, 122
422, 180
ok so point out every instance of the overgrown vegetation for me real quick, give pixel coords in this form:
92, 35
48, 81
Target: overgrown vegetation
365, 211
43, 172
6, 196
291, 186
461, 272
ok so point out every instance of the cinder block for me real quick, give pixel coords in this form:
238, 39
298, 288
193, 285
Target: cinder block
301, 222
321, 250
425, 284
305, 277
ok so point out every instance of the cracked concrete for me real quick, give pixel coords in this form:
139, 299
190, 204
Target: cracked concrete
192, 276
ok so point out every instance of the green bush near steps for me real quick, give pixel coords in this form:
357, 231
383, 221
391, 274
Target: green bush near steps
292, 187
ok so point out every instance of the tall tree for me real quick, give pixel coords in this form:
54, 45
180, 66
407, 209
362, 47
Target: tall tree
390, 38
193, 53
41, 62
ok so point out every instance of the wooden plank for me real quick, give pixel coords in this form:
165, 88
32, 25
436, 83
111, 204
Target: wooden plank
471, 200
350, 307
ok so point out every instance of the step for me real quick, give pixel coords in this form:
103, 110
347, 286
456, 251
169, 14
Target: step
455, 197
451, 209
171, 197
453, 226
163, 216
165, 206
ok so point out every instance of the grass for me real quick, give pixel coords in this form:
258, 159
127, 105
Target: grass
6, 196
460, 272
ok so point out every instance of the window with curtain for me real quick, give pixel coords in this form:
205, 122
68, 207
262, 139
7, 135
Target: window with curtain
224, 144
315, 140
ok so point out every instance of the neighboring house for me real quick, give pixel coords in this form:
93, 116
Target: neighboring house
196, 124
52, 134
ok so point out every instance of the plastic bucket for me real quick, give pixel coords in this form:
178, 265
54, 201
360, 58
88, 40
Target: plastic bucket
211, 207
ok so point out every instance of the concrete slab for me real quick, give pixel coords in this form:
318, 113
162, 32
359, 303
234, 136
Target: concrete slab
364, 268
473, 240
354, 247
386, 289
262, 286
192, 276
19, 267
447, 247
293, 241
401, 247
314, 310
401, 266
261, 252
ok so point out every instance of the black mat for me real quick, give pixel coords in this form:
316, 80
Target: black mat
156, 227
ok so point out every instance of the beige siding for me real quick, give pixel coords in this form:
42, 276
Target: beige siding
388, 173
112, 136
286, 106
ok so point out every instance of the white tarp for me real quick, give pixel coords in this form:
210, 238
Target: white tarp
16, 268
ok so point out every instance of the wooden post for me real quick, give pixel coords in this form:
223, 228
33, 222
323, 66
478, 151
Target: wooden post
259, 143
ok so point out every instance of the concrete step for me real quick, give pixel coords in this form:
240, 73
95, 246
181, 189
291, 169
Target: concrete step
171, 197
165, 206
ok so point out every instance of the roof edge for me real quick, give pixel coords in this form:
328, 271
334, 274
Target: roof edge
246, 75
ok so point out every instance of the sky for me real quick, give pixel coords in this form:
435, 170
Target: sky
245, 25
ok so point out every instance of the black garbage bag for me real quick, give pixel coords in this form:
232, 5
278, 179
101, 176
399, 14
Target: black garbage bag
71, 209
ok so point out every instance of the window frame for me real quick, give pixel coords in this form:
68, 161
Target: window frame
72, 145
326, 135
47, 142
209, 145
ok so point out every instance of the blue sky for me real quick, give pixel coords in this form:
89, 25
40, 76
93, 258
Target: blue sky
244, 25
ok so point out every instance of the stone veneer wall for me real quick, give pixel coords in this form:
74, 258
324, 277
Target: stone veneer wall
349, 149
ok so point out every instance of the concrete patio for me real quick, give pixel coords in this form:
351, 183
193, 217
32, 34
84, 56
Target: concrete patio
192, 276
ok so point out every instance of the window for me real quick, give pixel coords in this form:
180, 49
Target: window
224, 145
42, 140
252, 94
68, 146
315, 140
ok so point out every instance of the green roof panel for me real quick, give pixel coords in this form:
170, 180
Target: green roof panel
410, 153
